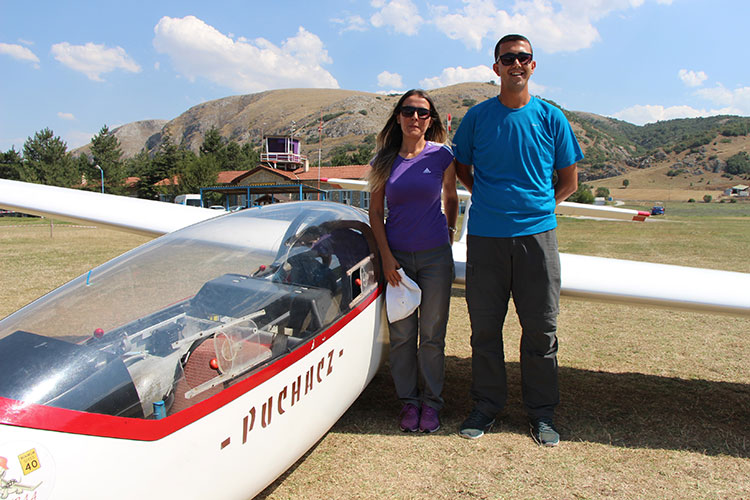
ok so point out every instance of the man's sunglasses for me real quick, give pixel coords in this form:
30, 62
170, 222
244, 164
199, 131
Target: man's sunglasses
408, 112
508, 58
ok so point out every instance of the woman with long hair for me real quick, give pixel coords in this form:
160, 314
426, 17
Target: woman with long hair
411, 168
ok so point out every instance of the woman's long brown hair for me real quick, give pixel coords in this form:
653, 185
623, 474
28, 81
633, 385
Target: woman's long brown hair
389, 140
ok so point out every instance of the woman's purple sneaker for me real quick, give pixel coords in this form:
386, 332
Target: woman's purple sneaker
429, 421
409, 418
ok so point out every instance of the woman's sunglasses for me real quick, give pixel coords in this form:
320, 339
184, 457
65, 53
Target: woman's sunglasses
508, 58
408, 112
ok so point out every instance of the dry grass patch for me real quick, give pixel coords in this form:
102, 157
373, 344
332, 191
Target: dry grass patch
36, 260
654, 403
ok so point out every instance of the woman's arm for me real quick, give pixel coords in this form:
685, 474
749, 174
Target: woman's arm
377, 215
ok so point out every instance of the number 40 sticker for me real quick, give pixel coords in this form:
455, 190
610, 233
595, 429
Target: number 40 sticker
29, 461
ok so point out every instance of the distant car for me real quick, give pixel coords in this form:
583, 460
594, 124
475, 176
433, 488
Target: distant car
236, 208
193, 200
657, 210
217, 207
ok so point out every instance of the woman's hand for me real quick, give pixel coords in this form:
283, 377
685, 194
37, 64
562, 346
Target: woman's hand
390, 269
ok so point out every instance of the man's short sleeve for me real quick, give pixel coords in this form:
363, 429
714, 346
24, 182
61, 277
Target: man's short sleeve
567, 149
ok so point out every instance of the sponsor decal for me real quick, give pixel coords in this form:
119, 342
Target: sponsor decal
27, 472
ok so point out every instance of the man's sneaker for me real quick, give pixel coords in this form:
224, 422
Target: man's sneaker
429, 421
544, 433
475, 425
409, 418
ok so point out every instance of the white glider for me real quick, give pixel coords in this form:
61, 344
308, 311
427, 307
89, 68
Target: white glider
227, 348
564, 208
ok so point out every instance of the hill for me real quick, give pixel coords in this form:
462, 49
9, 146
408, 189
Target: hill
133, 137
613, 148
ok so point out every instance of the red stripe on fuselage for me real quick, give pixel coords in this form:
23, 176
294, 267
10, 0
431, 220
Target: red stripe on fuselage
20, 414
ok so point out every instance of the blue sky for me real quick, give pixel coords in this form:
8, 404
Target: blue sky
75, 66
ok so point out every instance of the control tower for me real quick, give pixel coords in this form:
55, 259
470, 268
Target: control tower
283, 152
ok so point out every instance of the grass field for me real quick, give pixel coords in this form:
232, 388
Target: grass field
654, 403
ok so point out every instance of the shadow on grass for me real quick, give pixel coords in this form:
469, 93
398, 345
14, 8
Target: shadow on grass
630, 410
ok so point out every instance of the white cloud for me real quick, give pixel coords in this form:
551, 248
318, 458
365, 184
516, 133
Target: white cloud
391, 92
66, 116
692, 78
199, 50
401, 15
19, 52
648, 113
388, 79
724, 102
94, 59
481, 73
554, 26
735, 102
351, 23
459, 74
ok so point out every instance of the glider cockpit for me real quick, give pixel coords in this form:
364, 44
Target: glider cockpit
181, 318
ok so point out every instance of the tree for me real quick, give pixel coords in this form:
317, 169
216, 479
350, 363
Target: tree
602, 192
231, 156
340, 158
363, 155
199, 171
707, 198
161, 166
10, 165
625, 183
212, 142
251, 156
46, 161
738, 164
582, 195
106, 152
341, 155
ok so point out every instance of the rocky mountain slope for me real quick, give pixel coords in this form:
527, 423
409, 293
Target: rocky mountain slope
612, 147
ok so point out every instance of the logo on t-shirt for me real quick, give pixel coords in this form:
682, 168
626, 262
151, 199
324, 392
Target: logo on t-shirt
426, 171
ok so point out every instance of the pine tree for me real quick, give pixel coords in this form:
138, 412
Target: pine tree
46, 161
10, 165
212, 142
106, 152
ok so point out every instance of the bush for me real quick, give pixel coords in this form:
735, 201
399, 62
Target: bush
691, 200
331, 116
602, 192
707, 198
582, 195
738, 164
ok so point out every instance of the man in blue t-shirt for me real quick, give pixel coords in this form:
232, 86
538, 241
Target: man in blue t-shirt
516, 144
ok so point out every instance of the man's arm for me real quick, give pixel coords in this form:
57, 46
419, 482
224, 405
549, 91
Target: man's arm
465, 175
567, 182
